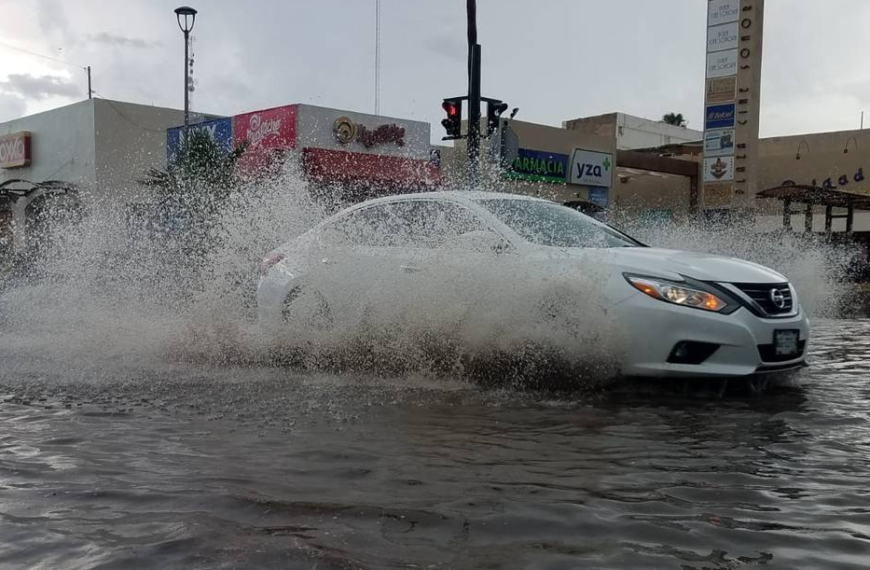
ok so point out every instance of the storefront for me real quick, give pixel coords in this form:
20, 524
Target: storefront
345, 156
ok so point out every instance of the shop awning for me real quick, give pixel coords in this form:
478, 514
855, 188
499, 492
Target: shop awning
355, 167
811, 196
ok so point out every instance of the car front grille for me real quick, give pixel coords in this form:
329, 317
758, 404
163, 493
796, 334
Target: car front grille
766, 295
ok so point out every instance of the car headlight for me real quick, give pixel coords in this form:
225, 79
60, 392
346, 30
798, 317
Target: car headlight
686, 294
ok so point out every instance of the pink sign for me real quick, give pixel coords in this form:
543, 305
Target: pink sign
267, 132
15, 150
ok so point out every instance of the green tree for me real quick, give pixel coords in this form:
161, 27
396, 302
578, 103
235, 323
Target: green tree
674, 119
191, 192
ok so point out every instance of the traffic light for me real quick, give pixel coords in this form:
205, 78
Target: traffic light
453, 123
494, 109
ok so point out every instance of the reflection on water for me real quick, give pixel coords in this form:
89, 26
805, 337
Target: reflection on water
183, 467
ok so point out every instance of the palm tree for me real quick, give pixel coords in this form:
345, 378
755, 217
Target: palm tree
674, 119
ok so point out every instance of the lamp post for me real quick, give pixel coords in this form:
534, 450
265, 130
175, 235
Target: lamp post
186, 17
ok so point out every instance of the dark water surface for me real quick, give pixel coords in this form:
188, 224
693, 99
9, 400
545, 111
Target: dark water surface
182, 466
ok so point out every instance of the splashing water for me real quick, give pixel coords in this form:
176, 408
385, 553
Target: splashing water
100, 296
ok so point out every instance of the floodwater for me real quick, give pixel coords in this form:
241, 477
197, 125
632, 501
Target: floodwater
118, 464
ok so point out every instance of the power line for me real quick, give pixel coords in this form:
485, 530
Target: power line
33, 53
125, 117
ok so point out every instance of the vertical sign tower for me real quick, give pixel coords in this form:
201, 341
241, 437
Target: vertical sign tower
729, 169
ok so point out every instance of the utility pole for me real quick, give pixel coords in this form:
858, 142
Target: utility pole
377, 57
186, 17
473, 96
90, 91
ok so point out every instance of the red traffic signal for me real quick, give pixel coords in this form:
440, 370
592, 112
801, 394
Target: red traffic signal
453, 123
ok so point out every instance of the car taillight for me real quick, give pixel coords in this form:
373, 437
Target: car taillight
268, 262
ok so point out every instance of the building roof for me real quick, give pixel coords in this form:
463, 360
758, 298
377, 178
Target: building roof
806, 194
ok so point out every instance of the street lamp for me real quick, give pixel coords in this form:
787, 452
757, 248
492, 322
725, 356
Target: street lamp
186, 18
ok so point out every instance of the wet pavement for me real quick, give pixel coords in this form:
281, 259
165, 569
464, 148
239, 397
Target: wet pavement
176, 465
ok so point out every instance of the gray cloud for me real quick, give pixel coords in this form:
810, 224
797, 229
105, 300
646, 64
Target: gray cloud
116, 40
11, 107
53, 21
32, 87
446, 44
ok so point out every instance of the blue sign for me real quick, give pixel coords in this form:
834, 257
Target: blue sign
598, 195
720, 116
220, 130
539, 166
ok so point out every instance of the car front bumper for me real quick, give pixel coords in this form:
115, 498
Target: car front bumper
653, 328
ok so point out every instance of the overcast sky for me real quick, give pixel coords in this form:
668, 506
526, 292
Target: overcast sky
555, 59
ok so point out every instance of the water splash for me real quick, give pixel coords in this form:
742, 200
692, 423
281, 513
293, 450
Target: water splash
102, 296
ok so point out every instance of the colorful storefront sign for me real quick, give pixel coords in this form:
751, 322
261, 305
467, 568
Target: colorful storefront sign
720, 116
719, 169
266, 133
219, 130
15, 150
719, 142
591, 168
538, 166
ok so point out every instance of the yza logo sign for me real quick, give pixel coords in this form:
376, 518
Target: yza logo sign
591, 168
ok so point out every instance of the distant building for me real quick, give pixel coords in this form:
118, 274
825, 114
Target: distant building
97, 147
633, 132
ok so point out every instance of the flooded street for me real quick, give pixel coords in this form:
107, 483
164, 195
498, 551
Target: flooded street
123, 465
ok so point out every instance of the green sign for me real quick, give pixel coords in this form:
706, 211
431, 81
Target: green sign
539, 166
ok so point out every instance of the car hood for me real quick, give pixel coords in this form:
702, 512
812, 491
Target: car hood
671, 264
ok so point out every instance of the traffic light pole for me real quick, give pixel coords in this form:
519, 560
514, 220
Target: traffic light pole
474, 118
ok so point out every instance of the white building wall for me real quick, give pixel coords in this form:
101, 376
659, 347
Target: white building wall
130, 140
62, 145
314, 128
636, 132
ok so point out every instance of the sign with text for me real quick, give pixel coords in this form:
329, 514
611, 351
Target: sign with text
539, 166
722, 12
724, 37
266, 133
722, 63
720, 116
219, 130
719, 142
721, 90
591, 168
15, 150
719, 169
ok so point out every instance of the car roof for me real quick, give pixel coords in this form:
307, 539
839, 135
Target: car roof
455, 194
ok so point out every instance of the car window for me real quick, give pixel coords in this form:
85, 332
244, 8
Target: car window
554, 225
431, 224
371, 227
411, 223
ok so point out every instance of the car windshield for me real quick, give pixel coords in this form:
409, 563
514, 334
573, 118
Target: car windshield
554, 225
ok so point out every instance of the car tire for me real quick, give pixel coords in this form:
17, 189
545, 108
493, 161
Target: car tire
306, 309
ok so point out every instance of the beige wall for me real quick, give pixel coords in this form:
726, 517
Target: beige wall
130, 139
635, 193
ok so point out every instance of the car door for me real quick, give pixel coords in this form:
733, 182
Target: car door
354, 255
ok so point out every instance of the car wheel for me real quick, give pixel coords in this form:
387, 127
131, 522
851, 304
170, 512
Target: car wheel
307, 309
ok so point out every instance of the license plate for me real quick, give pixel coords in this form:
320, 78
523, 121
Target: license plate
785, 342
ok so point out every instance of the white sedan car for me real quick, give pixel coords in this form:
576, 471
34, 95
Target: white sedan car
680, 314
